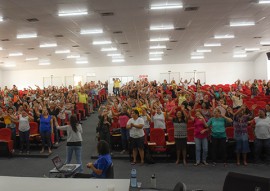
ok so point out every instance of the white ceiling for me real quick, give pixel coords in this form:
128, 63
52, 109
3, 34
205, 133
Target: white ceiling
133, 18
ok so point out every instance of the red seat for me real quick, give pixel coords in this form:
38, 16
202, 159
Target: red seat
170, 132
230, 132
190, 134
157, 138
251, 135
169, 124
80, 108
5, 136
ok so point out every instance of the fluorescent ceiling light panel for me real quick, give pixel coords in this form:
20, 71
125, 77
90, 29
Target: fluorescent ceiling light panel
159, 39
169, 27
73, 56
108, 49
118, 60
158, 47
203, 50
31, 59
155, 59
265, 42
156, 53
196, 57
252, 49
94, 31
166, 6
62, 51
116, 54
224, 36
74, 13
44, 63
33, 35
264, 1
212, 44
242, 23
240, 55
15, 54
102, 42
81, 62
9, 65
47, 45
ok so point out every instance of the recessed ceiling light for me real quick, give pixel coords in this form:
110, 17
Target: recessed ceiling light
47, 45
242, 23
166, 6
44, 63
108, 49
159, 39
1, 19
252, 49
156, 53
62, 51
94, 31
75, 13
265, 42
115, 54
157, 47
169, 27
31, 59
240, 55
15, 54
196, 57
118, 60
9, 65
224, 36
73, 56
264, 1
212, 44
155, 59
81, 62
203, 50
33, 35
102, 42
1, 48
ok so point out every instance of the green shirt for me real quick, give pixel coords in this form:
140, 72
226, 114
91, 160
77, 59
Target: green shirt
218, 127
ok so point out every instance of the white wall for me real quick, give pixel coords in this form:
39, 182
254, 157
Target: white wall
215, 72
261, 67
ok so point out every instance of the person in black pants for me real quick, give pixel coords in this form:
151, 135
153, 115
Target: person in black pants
218, 134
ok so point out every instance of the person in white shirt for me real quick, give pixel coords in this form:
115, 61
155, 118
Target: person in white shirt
135, 124
74, 140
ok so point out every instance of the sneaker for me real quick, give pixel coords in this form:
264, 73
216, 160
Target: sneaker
20, 152
214, 164
27, 152
205, 163
197, 164
123, 151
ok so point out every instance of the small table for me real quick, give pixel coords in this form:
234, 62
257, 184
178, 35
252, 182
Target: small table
59, 174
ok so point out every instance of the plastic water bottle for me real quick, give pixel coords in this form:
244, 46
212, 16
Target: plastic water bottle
153, 181
133, 178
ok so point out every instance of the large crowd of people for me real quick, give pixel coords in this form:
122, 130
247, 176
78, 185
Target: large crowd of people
137, 107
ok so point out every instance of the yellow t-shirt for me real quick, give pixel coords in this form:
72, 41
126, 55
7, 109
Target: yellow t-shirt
82, 97
7, 120
117, 84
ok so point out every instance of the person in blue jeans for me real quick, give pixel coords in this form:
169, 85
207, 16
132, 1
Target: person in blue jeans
101, 165
74, 140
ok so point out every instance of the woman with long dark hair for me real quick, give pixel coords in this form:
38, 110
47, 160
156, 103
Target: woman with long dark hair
74, 140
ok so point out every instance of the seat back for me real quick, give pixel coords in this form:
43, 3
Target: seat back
110, 172
180, 186
230, 132
157, 135
34, 130
5, 134
170, 132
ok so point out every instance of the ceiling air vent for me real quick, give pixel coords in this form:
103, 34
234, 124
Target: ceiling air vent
75, 46
87, 53
173, 41
106, 14
257, 37
179, 28
168, 49
32, 20
6, 39
238, 46
191, 8
30, 48
59, 35
266, 45
117, 32
123, 43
